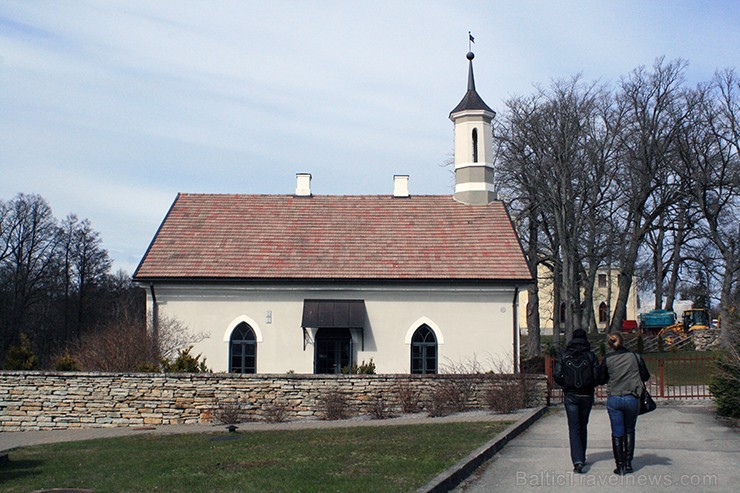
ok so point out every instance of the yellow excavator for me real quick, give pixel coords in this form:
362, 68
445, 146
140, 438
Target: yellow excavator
692, 320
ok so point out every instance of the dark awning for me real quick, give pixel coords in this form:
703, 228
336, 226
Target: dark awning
328, 314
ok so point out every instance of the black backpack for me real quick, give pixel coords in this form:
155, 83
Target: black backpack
577, 371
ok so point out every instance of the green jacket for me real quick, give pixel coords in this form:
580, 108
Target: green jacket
624, 373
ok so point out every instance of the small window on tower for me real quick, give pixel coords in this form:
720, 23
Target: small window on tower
602, 280
475, 145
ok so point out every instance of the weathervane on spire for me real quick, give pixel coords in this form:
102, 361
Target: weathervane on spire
471, 41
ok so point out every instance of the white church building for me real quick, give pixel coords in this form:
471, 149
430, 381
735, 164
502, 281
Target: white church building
312, 283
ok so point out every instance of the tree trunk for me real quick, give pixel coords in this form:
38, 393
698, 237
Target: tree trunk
533, 347
534, 341
676, 260
658, 267
624, 282
556, 301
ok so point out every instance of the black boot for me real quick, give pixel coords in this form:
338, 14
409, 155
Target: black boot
629, 450
618, 450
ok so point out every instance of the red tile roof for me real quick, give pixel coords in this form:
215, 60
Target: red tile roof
333, 237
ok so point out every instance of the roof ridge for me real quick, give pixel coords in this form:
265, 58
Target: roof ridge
289, 195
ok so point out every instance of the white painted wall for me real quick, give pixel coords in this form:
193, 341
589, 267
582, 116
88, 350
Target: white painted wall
465, 122
472, 324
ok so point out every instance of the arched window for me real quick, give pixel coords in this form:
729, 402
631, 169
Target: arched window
424, 351
475, 145
603, 313
243, 350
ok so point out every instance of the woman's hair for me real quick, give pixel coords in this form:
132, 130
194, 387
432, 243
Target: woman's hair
615, 340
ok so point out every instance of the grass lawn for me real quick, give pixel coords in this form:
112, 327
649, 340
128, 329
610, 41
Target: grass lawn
367, 459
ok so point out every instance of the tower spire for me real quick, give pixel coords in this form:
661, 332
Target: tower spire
471, 79
472, 118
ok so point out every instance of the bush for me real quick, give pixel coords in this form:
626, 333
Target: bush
439, 403
276, 412
66, 362
379, 410
21, 357
186, 363
118, 347
127, 345
362, 369
725, 386
458, 391
151, 367
506, 394
408, 397
229, 412
333, 405
451, 395
725, 383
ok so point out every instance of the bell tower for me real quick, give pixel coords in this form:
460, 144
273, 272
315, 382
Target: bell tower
473, 146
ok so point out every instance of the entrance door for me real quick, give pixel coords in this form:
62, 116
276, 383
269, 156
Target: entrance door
333, 350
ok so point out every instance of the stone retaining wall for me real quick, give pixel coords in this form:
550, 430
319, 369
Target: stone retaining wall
706, 339
60, 400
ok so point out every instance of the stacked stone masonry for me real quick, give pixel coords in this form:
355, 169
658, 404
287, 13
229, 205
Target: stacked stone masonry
60, 400
706, 340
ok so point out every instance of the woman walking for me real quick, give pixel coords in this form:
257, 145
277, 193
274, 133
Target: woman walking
624, 372
576, 372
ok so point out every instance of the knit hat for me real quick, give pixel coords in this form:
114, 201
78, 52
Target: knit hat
580, 334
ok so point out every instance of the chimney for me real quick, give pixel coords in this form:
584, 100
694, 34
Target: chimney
303, 185
401, 186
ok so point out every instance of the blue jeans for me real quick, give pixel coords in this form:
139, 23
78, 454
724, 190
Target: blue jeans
622, 411
578, 409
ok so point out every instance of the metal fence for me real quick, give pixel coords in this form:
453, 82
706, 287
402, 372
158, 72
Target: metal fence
672, 376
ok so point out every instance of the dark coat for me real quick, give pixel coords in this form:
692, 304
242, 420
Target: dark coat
576, 345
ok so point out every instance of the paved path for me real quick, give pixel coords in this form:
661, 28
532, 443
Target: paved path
680, 448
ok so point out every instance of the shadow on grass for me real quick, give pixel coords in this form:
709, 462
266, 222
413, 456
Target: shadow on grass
19, 469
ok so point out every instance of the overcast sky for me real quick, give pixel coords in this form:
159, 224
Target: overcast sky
109, 108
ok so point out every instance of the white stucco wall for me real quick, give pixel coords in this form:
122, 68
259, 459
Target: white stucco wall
473, 325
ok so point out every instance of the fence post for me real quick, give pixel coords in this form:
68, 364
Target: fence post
548, 373
661, 377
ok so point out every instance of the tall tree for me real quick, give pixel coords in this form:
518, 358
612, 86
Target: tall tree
512, 163
54, 279
26, 271
90, 266
653, 114
709, 151
558, 152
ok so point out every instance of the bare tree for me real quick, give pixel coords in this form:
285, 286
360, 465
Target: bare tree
90, 265
28, 265
600, 149
54, 278
558, 160
593, 177
653, 114
512, 167
709, 152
